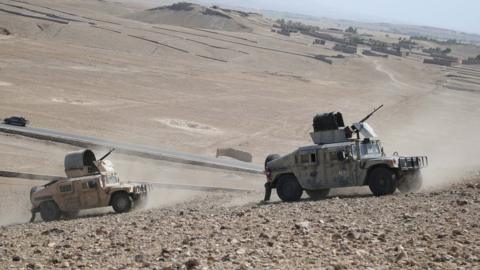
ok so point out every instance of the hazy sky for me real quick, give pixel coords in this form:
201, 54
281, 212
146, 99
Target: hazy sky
463, 15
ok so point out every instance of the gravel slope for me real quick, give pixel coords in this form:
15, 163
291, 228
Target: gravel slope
437, 230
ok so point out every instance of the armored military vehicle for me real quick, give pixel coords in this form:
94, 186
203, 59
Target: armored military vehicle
341, 157
90, 183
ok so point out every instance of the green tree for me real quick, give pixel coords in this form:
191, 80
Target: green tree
351, 30
447, 51
281, 22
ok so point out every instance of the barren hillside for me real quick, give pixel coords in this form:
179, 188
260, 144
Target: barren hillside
196, 16
155, 76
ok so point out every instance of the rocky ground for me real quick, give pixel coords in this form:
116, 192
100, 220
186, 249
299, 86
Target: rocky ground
436, 230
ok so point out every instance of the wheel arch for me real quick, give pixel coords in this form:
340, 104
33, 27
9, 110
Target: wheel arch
270, 157
40, 200
49, 200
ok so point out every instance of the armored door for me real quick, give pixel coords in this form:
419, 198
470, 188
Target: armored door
89, 193
67, 198
340, 167
307, 168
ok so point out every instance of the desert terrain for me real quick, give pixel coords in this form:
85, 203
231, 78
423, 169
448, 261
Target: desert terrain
189, 79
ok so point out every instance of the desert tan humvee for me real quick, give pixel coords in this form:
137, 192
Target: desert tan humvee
90, 183
338, 160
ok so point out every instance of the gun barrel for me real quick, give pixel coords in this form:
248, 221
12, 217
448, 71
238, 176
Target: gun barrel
369, 115
107, 154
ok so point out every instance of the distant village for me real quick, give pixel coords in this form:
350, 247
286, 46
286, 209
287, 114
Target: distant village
349, 41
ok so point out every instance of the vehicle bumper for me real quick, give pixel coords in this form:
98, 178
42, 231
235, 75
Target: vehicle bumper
412, 163
140, 192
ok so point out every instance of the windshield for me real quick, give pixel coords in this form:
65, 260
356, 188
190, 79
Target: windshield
111, 179
370, 149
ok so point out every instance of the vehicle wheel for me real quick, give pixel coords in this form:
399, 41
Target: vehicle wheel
288, 189
71, 214
49, 211
270, 158
382, 181
318, 194
410, 183
121, 202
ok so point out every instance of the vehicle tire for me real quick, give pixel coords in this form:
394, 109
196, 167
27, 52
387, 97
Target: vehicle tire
122, 202
410, 183
49, 211
71, 214
270, 158
382, 181
318, 194
288, 189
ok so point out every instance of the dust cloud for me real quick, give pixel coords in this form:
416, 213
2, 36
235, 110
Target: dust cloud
15, 207
134, 169
443, 126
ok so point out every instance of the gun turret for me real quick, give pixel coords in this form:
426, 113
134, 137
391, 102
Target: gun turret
364, 128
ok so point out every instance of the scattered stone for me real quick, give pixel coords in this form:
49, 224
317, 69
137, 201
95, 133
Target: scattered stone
101, 231
165, 253
192, 264
303, 227
244, 266
226, 258
34, 266
457, 232
240, 251
382, 237
462, 202
139, 258
337, 237
53, 231
264, 235
352, 235
400, 256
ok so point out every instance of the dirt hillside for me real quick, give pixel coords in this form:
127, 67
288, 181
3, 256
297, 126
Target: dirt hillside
177, 82
433, 230
192, 15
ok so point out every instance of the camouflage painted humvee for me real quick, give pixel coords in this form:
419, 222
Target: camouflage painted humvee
90, 183
336, 160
